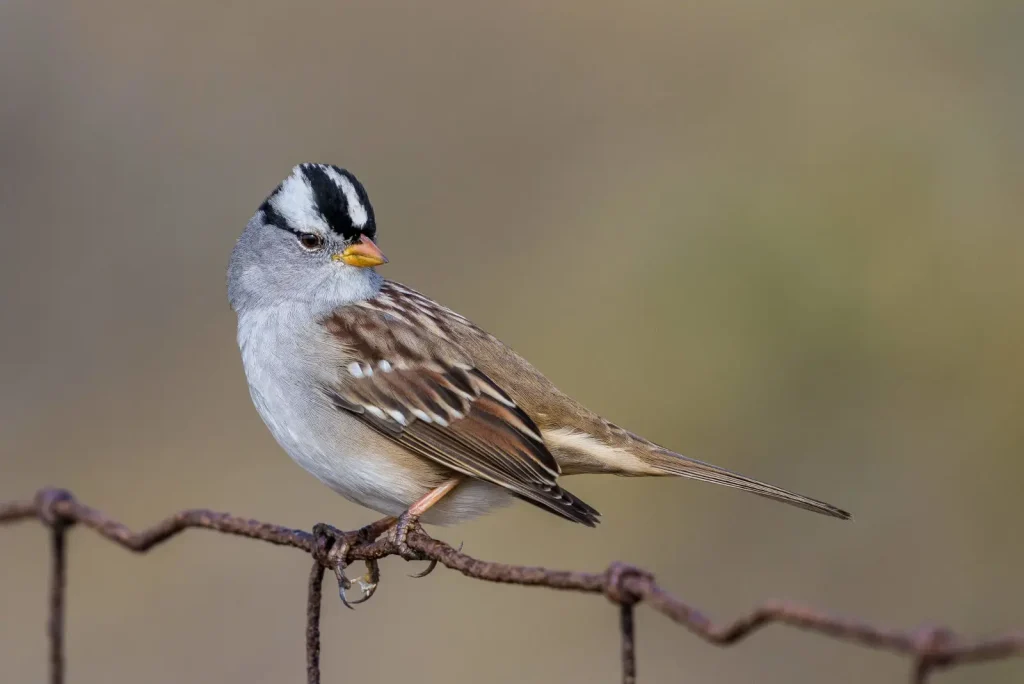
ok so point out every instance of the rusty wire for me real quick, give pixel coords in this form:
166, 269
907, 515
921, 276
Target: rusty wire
931, 648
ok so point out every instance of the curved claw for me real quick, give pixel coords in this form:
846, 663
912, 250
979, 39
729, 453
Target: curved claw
367, 584
431, 567
367, 588
424, 573
344, 600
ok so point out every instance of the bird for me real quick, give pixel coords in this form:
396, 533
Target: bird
395, 401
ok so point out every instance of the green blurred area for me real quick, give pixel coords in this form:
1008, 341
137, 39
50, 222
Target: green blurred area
785, 237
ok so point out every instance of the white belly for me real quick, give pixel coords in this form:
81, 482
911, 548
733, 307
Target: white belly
336, 447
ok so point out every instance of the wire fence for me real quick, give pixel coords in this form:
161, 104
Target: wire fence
929, 648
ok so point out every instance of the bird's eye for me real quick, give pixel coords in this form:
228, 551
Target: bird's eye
311, 241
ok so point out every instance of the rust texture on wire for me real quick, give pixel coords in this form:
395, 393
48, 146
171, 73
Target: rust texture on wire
930, 648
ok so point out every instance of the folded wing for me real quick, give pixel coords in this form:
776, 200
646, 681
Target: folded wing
440, 407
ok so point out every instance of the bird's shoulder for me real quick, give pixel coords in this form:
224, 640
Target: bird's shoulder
403, 324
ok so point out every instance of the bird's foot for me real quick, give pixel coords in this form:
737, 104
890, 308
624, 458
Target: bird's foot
332, 547
325, 539
399, 535
367, 583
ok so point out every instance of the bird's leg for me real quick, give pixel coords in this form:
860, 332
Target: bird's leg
410, 519
370, 532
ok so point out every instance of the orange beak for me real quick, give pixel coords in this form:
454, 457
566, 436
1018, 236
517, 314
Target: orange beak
362, 254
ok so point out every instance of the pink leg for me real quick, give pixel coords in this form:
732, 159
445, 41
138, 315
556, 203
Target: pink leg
432, 497
411, 516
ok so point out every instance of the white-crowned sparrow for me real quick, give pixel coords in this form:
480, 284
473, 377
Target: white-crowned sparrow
398, 403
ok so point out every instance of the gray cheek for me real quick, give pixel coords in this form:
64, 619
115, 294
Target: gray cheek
252, 278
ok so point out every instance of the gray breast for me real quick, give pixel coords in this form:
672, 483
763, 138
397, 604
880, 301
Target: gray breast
287, 360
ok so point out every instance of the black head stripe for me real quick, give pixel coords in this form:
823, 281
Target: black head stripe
332, 204
270, 215
370, 229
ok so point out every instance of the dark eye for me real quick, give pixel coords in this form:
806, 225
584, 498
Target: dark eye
311, 241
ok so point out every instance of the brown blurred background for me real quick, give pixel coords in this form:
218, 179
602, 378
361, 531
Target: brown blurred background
780, 236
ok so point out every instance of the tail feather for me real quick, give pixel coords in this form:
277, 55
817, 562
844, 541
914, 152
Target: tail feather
601, 447
672, 463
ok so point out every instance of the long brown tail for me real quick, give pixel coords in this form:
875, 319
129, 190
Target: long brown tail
676, 464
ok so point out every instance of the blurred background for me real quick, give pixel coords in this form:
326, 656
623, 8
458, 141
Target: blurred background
779, 236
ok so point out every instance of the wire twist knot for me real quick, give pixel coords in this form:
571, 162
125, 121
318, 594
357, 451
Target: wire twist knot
615, 579
46, 501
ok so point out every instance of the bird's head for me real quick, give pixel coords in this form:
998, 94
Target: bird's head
311, 240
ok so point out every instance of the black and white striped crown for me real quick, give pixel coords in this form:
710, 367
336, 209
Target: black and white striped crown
321, 198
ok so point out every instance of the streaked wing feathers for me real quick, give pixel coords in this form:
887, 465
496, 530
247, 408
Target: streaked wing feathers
447, 411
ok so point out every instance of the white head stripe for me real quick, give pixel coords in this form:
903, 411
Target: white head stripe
294, 202
356, 210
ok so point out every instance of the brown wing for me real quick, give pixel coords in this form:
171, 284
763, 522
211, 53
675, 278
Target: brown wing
428, 398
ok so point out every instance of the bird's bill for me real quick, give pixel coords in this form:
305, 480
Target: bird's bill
362, 254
